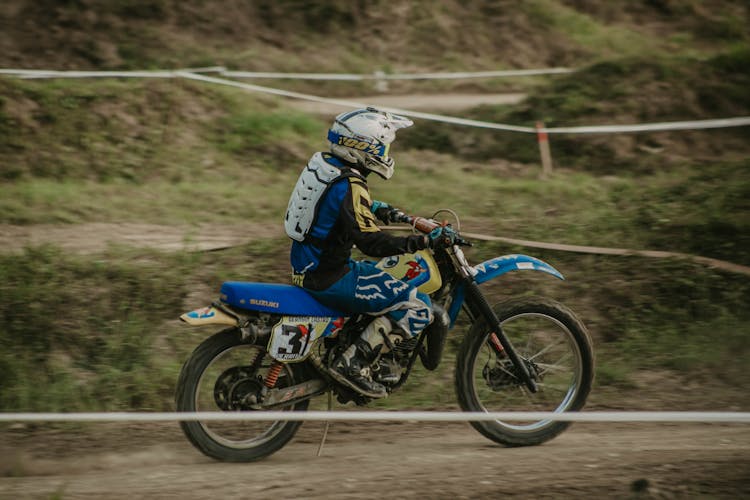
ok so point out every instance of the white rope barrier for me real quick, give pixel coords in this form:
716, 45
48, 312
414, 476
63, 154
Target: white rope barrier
44, 73
739, 121
298, 76
31, 74
195, 74
379, 75
602, 129
395, 416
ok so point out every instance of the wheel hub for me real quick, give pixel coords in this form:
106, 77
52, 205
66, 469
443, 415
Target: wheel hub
236, 389
503, 374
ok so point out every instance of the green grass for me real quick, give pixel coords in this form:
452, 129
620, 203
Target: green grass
692, 209
102, 333
584, 30
141, 131
79, 333
82, 333
298, 36
43, 201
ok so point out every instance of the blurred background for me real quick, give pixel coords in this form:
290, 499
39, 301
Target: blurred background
127, 201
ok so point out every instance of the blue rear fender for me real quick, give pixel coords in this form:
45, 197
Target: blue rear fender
498, 266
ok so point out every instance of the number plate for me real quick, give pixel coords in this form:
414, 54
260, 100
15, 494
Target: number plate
293, 337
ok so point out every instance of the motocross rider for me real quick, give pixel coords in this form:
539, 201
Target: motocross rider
330, 211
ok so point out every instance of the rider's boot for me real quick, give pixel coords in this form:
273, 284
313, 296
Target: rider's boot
354, 363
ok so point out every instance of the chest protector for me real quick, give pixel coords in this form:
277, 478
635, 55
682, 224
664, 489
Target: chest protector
312, 185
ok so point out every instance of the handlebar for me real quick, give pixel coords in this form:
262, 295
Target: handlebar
423, 225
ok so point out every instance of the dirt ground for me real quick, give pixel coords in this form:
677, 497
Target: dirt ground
94, 237
373, 460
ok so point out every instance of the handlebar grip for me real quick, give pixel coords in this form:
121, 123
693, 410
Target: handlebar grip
423, 225
419, 223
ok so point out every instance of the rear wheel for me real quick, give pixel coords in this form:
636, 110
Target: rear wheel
223, 374
557, 350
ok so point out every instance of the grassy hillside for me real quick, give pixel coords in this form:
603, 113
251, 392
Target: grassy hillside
631, 90
335, 35
99, 331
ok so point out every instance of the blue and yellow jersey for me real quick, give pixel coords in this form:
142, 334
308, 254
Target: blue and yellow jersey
344, 219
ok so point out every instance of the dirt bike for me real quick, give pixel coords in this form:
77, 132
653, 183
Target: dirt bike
280, 344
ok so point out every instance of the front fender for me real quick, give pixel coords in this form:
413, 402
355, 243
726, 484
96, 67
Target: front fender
493, 268
498, 266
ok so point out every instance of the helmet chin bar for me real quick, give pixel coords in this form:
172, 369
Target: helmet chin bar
381, 166
370, 163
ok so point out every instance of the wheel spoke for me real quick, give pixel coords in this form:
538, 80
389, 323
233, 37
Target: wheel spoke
551, 367
553, 387
236, 390
547, 348
541, 338
565, 357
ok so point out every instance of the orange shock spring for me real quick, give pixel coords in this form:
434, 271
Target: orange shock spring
273, 374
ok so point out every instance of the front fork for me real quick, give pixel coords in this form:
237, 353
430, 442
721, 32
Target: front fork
479, 307
477, 299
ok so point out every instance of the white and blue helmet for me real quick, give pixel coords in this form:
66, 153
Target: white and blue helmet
364, 137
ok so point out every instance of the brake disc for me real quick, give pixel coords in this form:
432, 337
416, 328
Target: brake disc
503, 374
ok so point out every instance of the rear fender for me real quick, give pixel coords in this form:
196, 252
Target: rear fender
208, 316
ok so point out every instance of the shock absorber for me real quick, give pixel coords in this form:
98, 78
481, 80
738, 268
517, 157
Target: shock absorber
273, 374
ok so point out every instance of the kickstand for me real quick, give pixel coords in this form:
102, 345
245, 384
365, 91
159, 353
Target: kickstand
328, 424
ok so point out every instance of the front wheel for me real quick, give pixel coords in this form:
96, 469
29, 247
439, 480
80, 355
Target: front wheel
557, 350
223, 374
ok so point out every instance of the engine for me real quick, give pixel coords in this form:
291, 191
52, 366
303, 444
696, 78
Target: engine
394, 358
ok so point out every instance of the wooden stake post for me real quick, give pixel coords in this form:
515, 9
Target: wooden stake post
544, 150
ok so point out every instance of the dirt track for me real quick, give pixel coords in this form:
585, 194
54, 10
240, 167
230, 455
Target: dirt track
372, 460
96, 236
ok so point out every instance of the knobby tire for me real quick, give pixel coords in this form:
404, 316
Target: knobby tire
473, 352
186, 394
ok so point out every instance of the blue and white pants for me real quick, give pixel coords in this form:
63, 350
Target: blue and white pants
365, 289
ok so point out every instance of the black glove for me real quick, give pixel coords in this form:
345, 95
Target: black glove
443, 236
384, 212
